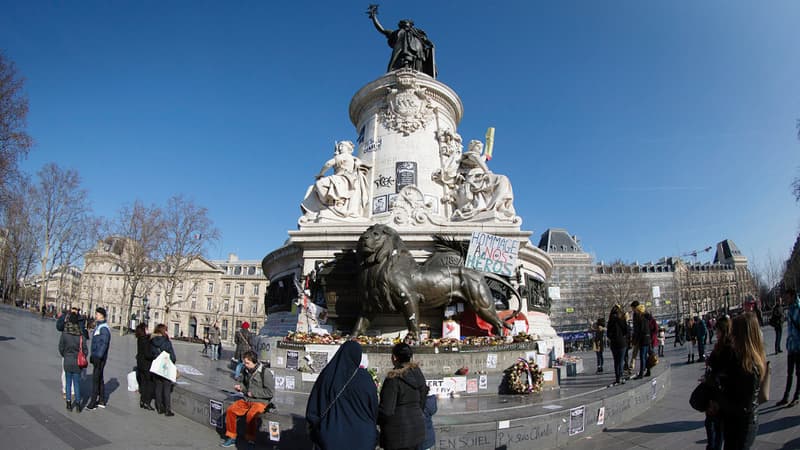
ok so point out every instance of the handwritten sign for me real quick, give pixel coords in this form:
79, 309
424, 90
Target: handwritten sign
490, 253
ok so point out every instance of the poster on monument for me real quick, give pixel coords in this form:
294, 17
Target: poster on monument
576, 420
214, 413
405, 174
292, 359
490, 253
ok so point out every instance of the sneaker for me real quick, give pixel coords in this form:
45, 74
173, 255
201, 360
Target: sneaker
78, 407
792, 403
91, 406
102, 405
169, 413
230, 442
782, 402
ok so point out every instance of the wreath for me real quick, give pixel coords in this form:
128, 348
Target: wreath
524, 377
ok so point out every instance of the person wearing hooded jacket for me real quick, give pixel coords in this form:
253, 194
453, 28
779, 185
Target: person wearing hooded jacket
69, 345
403, 397
159, 342
641, 336
342, 409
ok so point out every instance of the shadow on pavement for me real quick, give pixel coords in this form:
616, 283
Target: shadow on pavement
7, 338
684, 425
777, 425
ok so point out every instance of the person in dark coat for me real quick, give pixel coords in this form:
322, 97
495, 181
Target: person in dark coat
617, 332
700, 332
641, 336
428, 412
144, 359
776, 319
69, 345
402, 399
159, 342
342, 409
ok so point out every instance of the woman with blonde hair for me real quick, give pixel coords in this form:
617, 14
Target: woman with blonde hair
742, 373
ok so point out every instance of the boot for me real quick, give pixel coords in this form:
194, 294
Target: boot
647, 374
688, 359
69, 405
78, 408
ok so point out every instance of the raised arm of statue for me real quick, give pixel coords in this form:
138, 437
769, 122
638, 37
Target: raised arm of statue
372, 12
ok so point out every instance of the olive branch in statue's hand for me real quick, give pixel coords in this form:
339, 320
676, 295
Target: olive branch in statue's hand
372, 10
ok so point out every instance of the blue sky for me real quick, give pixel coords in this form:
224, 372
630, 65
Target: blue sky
646, 128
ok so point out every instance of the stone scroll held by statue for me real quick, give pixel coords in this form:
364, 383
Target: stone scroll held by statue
411, 48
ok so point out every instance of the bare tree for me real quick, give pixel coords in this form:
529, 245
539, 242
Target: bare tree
617, 283
18, 244
62, 218
14, 141
187, 232
138, 232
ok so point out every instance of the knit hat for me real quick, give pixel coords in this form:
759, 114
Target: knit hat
101, 310
245, 325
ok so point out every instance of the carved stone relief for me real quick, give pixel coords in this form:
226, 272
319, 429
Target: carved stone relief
408, 107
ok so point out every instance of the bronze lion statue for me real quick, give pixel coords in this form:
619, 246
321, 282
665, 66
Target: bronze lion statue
392, 281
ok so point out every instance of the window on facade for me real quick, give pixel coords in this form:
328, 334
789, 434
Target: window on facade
210, 287
251, 270
255, 289
227, 288
180, 286
225, 305
224, 329
254, 308
237, 270
241, 289
254, 327
194, 303
209, 304
156, 315
241, 306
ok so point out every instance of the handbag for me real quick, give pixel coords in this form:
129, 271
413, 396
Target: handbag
763, 393
652, 361
702, 396
164, 367
82, 362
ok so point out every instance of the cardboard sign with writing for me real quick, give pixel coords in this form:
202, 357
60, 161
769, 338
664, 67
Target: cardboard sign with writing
490, 253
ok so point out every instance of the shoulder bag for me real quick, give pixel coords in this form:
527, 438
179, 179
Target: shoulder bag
82, 362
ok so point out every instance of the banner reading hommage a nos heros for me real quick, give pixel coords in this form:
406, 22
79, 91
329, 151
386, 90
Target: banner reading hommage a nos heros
490, 253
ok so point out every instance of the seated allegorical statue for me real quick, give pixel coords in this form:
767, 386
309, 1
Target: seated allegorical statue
478, 190
345, 193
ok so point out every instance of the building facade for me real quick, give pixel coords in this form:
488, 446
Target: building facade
223, 292
582, 290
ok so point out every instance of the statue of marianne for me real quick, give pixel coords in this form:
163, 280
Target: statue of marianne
411, 47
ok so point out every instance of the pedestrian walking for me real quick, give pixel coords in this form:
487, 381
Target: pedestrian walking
101, 341
70, 344
776, 321
691, 338
792, 348
402, 399
342, 409
598, 342
257, 388
743, 373
213, 342
662, 339
144, 359
700, 332
243, 341
617, 332
159, 342
720, 355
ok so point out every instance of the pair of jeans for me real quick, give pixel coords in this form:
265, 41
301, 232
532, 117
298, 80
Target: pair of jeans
644, 352
98, 384
163, 388
214, 352
73, 384
238, 372
619, 361
701, 348
599, 359
778, 335
713, 433
792, 368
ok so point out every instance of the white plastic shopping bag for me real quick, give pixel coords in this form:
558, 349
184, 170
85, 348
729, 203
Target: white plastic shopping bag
133, 385
164, 367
